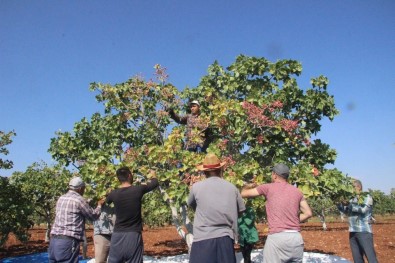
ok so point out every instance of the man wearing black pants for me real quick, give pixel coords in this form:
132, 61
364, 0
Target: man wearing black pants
359, 211
126, 240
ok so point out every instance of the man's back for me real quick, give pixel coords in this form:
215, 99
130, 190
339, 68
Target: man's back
217, 204
282, 206
71, 210
127, 201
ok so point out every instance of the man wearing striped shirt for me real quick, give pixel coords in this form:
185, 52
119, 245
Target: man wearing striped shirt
69, 226
359, 211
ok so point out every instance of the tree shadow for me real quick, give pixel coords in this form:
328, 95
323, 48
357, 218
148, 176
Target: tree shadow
319, 251
176, 247
320, 229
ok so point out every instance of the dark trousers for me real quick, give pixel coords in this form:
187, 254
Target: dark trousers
246, 251
361, 244
126, 247
215, 250
63, 249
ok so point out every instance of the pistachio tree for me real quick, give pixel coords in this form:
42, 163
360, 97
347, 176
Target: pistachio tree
254, 108
15, 208
43, 185
5, 139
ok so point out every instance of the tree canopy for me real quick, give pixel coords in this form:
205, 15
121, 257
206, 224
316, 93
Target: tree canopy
5, 139
255, 109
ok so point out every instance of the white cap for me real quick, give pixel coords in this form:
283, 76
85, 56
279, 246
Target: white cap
76, 183
195, 102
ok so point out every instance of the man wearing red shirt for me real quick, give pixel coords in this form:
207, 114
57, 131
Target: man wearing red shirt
283, 204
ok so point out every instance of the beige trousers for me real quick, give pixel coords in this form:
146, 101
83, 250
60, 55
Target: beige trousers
102, 247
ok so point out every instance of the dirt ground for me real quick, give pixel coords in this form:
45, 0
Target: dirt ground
165, 241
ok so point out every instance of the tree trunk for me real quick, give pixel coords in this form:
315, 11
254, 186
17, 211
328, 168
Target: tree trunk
322, 219
48, 232
185, 221
84, 247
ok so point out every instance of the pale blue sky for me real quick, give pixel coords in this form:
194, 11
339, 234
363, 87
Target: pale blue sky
51, 50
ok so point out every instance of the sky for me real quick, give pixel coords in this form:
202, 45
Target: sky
50, 51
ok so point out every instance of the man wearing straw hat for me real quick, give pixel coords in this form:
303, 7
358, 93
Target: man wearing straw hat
217, 204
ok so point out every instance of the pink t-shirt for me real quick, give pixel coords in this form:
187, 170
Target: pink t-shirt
282, 206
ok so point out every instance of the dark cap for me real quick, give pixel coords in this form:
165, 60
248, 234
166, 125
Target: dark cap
281, 170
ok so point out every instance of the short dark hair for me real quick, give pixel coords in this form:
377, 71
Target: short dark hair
216, 172
357, 182
123, 174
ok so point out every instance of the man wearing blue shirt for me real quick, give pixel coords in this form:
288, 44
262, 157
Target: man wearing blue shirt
359, 211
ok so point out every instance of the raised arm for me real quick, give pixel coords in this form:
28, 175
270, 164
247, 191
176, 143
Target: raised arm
249, 192
152, 183
363, 208
177, 118
306, 212
89, 212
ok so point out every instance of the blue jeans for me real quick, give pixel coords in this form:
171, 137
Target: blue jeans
63, 250
361, 244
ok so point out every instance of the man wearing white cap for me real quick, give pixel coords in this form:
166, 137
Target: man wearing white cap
193, 123
286, 208
69, 226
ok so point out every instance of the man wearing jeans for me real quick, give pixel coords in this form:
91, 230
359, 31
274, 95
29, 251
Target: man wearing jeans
69, 226
283, 204
359, 211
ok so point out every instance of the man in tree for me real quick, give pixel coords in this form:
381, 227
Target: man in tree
69, 226
217, 204
359, 211
283, 203
126, 240
194, 125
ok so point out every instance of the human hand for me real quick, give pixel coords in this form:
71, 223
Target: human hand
151, 174
249, 186
101, 202
344, 202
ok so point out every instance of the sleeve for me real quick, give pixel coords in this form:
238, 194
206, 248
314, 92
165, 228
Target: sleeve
177, 118
342, 208
151, 185
191, 199
109, 199
262, 189
240, 202
88, 212
363, 208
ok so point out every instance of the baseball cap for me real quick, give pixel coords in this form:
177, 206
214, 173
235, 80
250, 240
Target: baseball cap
76, 183
195, 102
281, 169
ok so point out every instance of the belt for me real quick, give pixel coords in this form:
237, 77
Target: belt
63, 237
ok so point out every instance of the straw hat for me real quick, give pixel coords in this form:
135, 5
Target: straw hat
210, 163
